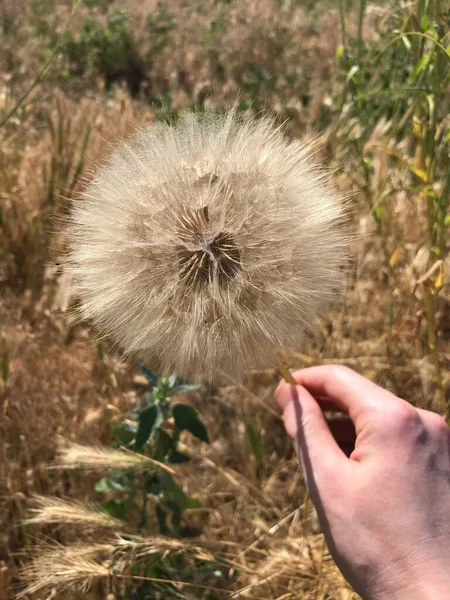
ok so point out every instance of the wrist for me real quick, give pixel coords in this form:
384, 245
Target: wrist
422, 587
431, 593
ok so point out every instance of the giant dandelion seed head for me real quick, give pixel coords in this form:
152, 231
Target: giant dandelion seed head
208, 246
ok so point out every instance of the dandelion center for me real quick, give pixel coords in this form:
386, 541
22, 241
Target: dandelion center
218, 260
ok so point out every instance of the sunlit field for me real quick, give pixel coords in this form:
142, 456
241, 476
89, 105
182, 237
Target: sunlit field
116, 483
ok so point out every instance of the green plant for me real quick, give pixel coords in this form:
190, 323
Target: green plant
99, 48
4, 362
106, 49
402, 81
159, 25
141, 496
57, 47
154, 430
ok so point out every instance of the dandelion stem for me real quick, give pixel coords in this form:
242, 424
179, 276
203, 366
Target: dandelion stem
432, 344
286, 374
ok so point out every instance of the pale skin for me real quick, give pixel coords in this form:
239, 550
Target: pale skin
380, 481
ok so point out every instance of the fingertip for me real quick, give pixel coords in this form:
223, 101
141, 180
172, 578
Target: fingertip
289, 398
305, 423
278, 393
283, 394
290, 420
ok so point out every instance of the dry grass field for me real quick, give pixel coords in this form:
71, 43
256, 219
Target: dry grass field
371, 82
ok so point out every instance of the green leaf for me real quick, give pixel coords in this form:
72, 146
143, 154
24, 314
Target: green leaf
351, 74
188, 531
193, 502
103, 486
174, 490
425, 23
164, 443
161, 515
147, 420
116, 509
376, 212
186, 418
177, 458
152, 485
124, 433
183, 388
255, 441
423, 62
150, 398
339, 53
115, 482
149, 375
406, 42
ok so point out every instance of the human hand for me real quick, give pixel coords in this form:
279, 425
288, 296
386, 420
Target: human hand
384, 506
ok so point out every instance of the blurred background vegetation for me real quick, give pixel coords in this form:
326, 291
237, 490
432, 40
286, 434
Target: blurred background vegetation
226, 515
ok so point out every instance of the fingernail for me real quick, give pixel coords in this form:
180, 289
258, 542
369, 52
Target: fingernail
284, 394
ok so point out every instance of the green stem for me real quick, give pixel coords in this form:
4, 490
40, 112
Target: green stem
420, 8
437, 10
444, 202
419, 34
343, 21
362, 12
43, 71
143, 518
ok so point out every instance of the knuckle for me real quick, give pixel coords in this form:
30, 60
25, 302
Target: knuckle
341, 373
402, 416
437, 424
341, 370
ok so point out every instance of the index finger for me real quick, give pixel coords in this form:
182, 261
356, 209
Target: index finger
350, 392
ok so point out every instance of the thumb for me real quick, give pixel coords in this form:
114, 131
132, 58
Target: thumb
305, 423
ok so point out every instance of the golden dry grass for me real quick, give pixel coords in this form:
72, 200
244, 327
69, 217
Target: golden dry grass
55, 382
